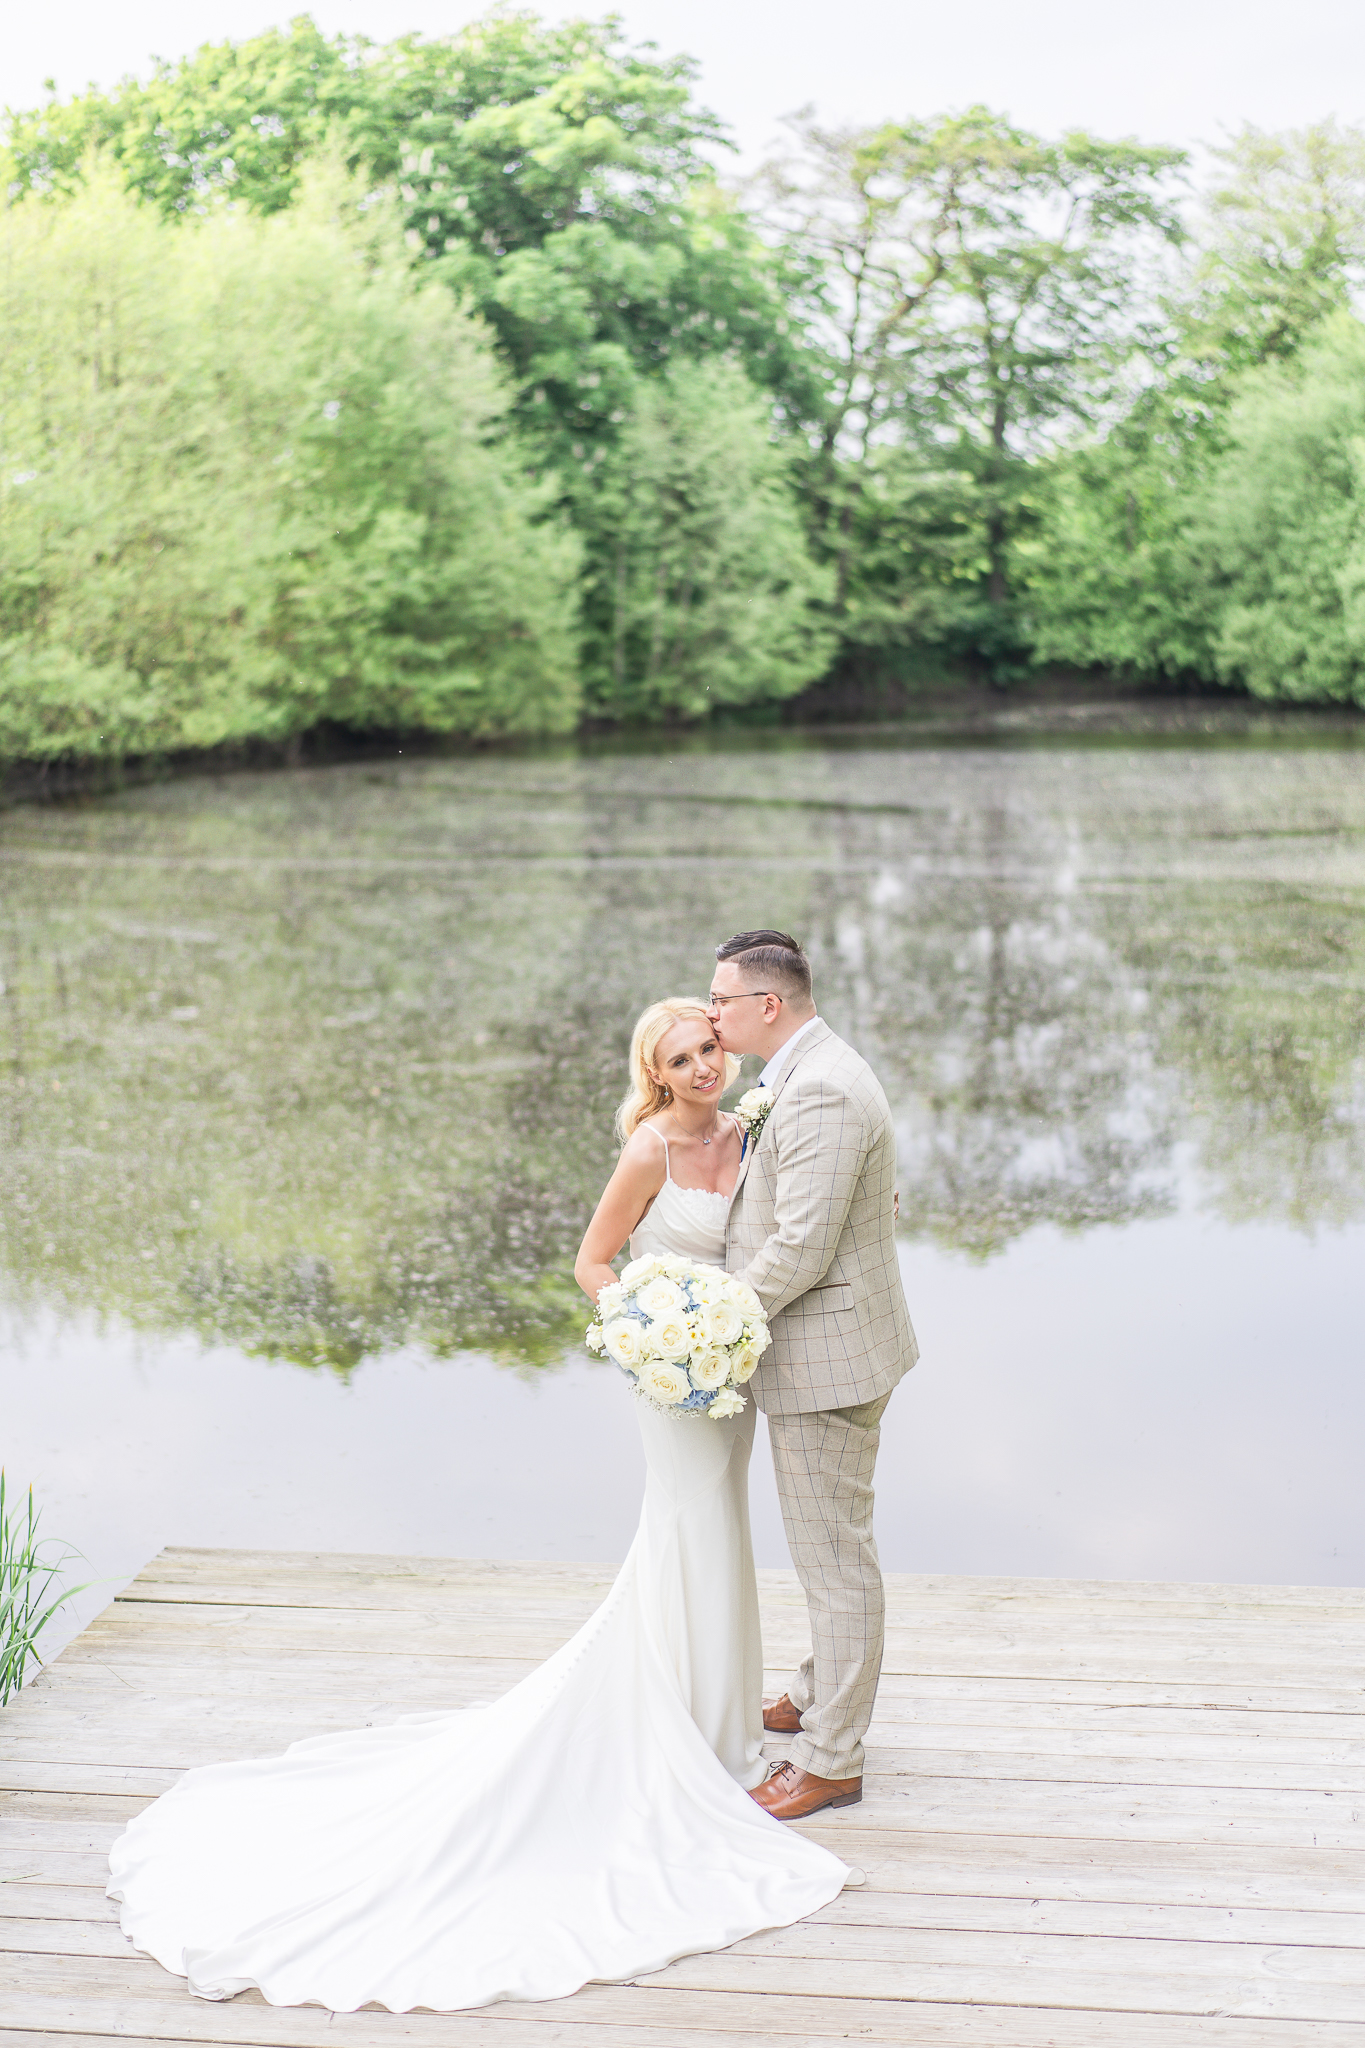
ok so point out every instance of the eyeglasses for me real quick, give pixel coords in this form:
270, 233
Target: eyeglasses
715, 1002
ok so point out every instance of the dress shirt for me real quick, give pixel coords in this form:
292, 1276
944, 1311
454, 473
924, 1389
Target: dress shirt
768, 1077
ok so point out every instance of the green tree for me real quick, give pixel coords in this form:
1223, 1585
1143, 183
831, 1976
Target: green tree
254, 477
850, 207
1233, 554
559, 180
1118, 568
704, 592
1280, 531
1281, 245
1213, 548
561, 185
980, 300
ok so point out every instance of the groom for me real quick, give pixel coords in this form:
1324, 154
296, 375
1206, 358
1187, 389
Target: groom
812, 1231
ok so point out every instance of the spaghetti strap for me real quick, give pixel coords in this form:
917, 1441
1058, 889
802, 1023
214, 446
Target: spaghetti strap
668, 1164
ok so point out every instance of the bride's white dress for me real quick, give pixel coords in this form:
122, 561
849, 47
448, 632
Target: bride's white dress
592, 1824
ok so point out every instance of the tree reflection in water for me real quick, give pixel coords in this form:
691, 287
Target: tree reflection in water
325, 1063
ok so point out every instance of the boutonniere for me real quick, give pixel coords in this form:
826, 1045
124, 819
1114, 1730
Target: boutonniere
753, 1110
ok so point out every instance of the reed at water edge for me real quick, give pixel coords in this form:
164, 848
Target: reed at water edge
28, 1574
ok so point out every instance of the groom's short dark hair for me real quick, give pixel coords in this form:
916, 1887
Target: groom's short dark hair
774, 960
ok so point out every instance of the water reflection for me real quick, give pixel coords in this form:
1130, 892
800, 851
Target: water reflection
322, 1064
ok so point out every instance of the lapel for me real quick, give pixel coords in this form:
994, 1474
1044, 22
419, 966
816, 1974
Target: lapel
817, 1035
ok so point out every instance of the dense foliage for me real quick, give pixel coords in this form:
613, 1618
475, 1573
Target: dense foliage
444, 386
254, 481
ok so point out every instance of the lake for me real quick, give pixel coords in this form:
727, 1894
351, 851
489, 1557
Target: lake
306, 1085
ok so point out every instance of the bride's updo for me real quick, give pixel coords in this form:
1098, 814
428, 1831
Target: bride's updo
648, 1096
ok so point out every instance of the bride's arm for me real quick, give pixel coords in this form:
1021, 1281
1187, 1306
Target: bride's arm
637, 1180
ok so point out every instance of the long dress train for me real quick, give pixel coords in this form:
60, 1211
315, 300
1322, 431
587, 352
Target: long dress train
593, 1824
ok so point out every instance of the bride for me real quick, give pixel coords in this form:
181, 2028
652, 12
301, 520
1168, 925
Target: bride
593, 1824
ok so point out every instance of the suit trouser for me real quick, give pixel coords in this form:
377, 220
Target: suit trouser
824, 1461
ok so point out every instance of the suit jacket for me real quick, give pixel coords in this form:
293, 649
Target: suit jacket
812, 1231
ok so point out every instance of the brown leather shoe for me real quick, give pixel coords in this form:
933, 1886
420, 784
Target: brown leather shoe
790, 1794
780, 1717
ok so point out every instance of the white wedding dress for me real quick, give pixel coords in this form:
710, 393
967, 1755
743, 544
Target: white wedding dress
593, 1824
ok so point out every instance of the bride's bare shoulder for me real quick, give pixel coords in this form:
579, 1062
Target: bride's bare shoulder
645, 1146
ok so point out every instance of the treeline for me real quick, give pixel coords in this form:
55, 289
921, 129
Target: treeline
445, 386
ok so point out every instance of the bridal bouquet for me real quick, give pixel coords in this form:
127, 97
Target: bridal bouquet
687, 1335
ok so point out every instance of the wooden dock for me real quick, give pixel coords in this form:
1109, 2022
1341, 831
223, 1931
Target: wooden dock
1097, 1816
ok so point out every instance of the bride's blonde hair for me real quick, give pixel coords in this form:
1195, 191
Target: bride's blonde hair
647, 1096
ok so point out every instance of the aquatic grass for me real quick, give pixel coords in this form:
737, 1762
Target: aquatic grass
27, 1577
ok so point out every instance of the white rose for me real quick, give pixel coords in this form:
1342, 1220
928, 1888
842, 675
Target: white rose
743, 1296
623, 1339
610, 1298
727, 1323
752, 1103
594, 1340
659, 1296
639, 1270
710, 1368
744, 1362
669, 1336
708, 1283
727, 1402
664, 1382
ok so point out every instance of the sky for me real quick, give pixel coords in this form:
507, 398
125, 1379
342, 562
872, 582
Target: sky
1177, 71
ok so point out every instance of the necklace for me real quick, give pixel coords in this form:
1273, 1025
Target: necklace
705, 1141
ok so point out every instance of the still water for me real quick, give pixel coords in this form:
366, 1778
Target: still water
306, 1085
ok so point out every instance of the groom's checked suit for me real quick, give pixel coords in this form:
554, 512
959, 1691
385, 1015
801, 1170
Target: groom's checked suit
812, 1231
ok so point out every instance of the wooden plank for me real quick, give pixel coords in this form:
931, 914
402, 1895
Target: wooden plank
895, 1746
1171, 1732
1228, 1684
36, 1865
1095, 1868
870, 1908
1148, 1670
82, 1936
1148, 1989
1189, 1970
1183, 1966
776, 1586
23, 1900
1211, 1640
1081, 1870
695, 2019
904, 1714
211, 1660
91, 1991
1187, 1814
885, 1770
85, 1682
150, 1780
542, 1599
1242, 1768
538, 1591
